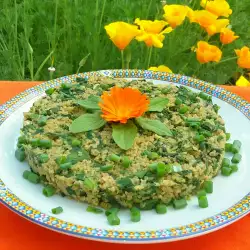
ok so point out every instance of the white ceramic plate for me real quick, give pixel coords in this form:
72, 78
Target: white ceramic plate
229, 202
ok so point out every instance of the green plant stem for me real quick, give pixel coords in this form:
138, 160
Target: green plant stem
227, 60
150, 49
122, 57
101, 18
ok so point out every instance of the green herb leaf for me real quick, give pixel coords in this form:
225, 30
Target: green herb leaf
87, 122
154, 126
90, 103
124, 134
157, 104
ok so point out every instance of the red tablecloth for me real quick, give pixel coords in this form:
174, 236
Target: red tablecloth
18, 233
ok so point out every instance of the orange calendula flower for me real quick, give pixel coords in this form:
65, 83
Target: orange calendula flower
121, 33
175, 14
152, 32
243, 57
208, 53
161, 68
217, 7
242, 82
121, 104
227, 36
209, 21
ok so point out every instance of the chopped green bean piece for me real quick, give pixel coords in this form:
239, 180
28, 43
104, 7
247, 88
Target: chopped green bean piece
65, 86
225, 162
89, 183
50, 91
75, 142
178, 204
61, 159
22, 140
199, 138
113, 220
204, 96
216, 108
33, 178
226, 171
115, 158
153, 167
126, 162
80, 177
208, 186
201, 193
34, 142
203, 202
66, 166
166, 90
113, 210
236, 158
20, 154
228, 147
43, 158
105, 168
220, 137
57, 210
205, 133
153, 155
228, 135
161, 209
236, 147
45, 143
135, 214
184, 109
234, 168
178, 101
42, 121
26, 174
49, 191
94, 210
160, 169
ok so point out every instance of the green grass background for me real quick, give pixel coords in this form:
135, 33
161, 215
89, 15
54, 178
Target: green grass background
34, 34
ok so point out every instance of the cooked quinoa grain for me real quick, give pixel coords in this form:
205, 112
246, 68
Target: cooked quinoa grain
90, 167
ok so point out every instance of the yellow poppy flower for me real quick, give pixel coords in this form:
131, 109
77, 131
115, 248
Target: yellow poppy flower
152, 32
242, 82
121, 33
217, 7
161, 68
243, 57
209, 21
208, 53
227, 36
175, 14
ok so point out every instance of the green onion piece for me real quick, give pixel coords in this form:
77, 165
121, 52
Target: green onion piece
204, 96
226, 171
42, 121
34, 142
199, 138
43, 158
135, 214
94, 210
66, 166
225, 162
49, 91
228, 147
113, 219
205, 133
57, 210
126, 162
45, 143
184, 109
61, 159
20, 154
22, 140
26, 173
236, 147
208, 186
178, 101
178, 204
234, 168
114, 158
153, 166
228, 135
160, 169
76, 143
203, 202
33, 178
152, 155
201, 193
161, 209
89, 183
49, 191
105, 168
113, 210
236, 158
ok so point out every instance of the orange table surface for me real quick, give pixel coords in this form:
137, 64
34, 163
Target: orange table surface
18, 233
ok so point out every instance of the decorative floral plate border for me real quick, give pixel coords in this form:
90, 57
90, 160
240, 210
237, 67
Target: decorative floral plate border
170, 234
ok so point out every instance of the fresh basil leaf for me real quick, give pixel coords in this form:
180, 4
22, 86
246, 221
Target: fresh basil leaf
155, 126
157, 104
87, 122
90, 103
124, 134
